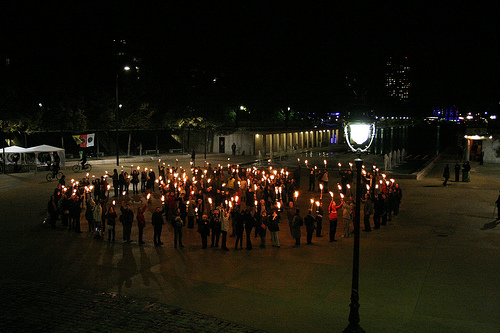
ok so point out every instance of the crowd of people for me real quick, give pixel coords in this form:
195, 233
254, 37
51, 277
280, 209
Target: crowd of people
221, 202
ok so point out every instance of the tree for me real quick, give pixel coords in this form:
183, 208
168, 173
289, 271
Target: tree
139, 119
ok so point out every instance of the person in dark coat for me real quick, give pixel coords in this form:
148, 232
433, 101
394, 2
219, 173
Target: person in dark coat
367, 211
249, 221
135, 181
141, 222
446, 174
74, 213
193, 157
466, 171
319, 219
273, 227
127, 218
309, 222
457, 172
295, 225
152, 177
111, 222
56, 164
204, 230
121, 182
116, 182
177, 223
262, 227
64, 203
157, 222
215, 226
312, 179
52, 210
498, 206
144, 178
238, 226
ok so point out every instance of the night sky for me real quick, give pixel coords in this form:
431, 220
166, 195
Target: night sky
301, 53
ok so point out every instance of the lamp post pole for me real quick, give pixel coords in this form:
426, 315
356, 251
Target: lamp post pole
126, 68
354, 312
359, 136
116, 125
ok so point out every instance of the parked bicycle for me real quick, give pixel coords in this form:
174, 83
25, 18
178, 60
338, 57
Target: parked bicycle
50, 176
78, 167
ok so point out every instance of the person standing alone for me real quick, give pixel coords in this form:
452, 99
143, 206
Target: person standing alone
157, 222
446, 174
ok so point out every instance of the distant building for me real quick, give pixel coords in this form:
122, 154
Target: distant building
125, 56
397, 79
446, 114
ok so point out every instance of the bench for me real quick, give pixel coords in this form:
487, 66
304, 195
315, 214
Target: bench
150, 151
175, 151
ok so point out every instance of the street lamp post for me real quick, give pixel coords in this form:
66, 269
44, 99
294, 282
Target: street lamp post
359, 135
126, 68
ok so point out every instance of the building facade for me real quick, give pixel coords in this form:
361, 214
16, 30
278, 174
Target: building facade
273, 143
397, 79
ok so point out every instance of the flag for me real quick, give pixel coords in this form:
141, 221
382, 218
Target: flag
85, 140
90, 140
78, 140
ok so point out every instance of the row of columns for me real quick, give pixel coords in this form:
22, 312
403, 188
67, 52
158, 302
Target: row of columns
273, 143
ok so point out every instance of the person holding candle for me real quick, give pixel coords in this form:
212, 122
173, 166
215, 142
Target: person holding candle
333, 218
74, 212
89, 215
225, 217
262, 227
367, 211
347, 212
378, 206
273, 227
312, 179
135, 182
204, 229
141, 222
97, 218
324, 179
319, 218
177, 224
111, 222
144, 178
215, 226
157, 222
152, 178
121, 182
191, 214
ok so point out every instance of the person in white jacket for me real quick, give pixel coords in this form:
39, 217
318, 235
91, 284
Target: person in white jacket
226, 215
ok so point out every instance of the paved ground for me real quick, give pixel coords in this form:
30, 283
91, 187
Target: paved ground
432, 269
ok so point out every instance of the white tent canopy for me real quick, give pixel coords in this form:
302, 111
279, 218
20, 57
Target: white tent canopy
37, 150
10, 151
14, 150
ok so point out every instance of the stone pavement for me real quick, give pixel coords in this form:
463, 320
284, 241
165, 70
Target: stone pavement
40, 307
433, 268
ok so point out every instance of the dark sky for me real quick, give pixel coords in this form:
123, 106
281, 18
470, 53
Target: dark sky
300, 47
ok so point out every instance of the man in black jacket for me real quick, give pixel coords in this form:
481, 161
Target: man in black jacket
127, 218
157, 221
309, 222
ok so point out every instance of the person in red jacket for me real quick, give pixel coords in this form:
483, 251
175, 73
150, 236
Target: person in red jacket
141, 222
332, 216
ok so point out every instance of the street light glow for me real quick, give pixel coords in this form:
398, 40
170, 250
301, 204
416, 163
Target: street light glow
360, 132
